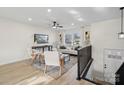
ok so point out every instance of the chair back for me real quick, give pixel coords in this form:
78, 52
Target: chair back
52, 58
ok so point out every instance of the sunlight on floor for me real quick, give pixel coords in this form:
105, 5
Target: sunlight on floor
39, 79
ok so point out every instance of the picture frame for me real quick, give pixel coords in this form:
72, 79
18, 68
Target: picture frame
87, 36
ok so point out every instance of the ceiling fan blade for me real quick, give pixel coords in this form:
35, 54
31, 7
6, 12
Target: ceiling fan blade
59, 26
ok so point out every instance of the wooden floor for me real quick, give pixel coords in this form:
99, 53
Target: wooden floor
23, 73
69, 78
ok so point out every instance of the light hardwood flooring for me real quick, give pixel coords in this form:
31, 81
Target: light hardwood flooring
69, 78
24, 73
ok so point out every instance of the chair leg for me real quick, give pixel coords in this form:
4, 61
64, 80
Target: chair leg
41, 59
33, 59
45, 69
60, 71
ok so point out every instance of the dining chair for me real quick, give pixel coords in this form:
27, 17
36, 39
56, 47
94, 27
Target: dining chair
52, 59
32, 54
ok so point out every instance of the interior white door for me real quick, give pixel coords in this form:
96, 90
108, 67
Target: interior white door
113, 58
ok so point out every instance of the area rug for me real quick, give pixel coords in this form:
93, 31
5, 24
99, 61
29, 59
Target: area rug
51, 75
53, 71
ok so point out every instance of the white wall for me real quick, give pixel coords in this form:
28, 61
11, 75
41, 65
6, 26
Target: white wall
15, 38
104, 35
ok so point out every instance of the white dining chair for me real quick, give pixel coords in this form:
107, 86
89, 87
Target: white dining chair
52, 59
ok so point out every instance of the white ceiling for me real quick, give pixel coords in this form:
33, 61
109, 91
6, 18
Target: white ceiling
62, 15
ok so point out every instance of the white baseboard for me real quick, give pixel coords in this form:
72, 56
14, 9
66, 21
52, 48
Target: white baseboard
14, 61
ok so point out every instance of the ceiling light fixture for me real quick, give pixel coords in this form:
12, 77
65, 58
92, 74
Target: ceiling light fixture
56, 25
49, 10
80, 19
121, 34
29, 19
72, 24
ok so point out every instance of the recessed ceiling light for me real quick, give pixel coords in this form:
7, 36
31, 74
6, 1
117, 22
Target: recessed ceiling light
72, 24
80, 19
49, 10
29, 19
73, 12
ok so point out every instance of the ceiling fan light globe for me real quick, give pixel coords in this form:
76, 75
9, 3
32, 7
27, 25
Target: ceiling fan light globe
54, 27
121, 35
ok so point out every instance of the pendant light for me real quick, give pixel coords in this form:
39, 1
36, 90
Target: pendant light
121, 34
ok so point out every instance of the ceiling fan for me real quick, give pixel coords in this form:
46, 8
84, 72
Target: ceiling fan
56, 25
